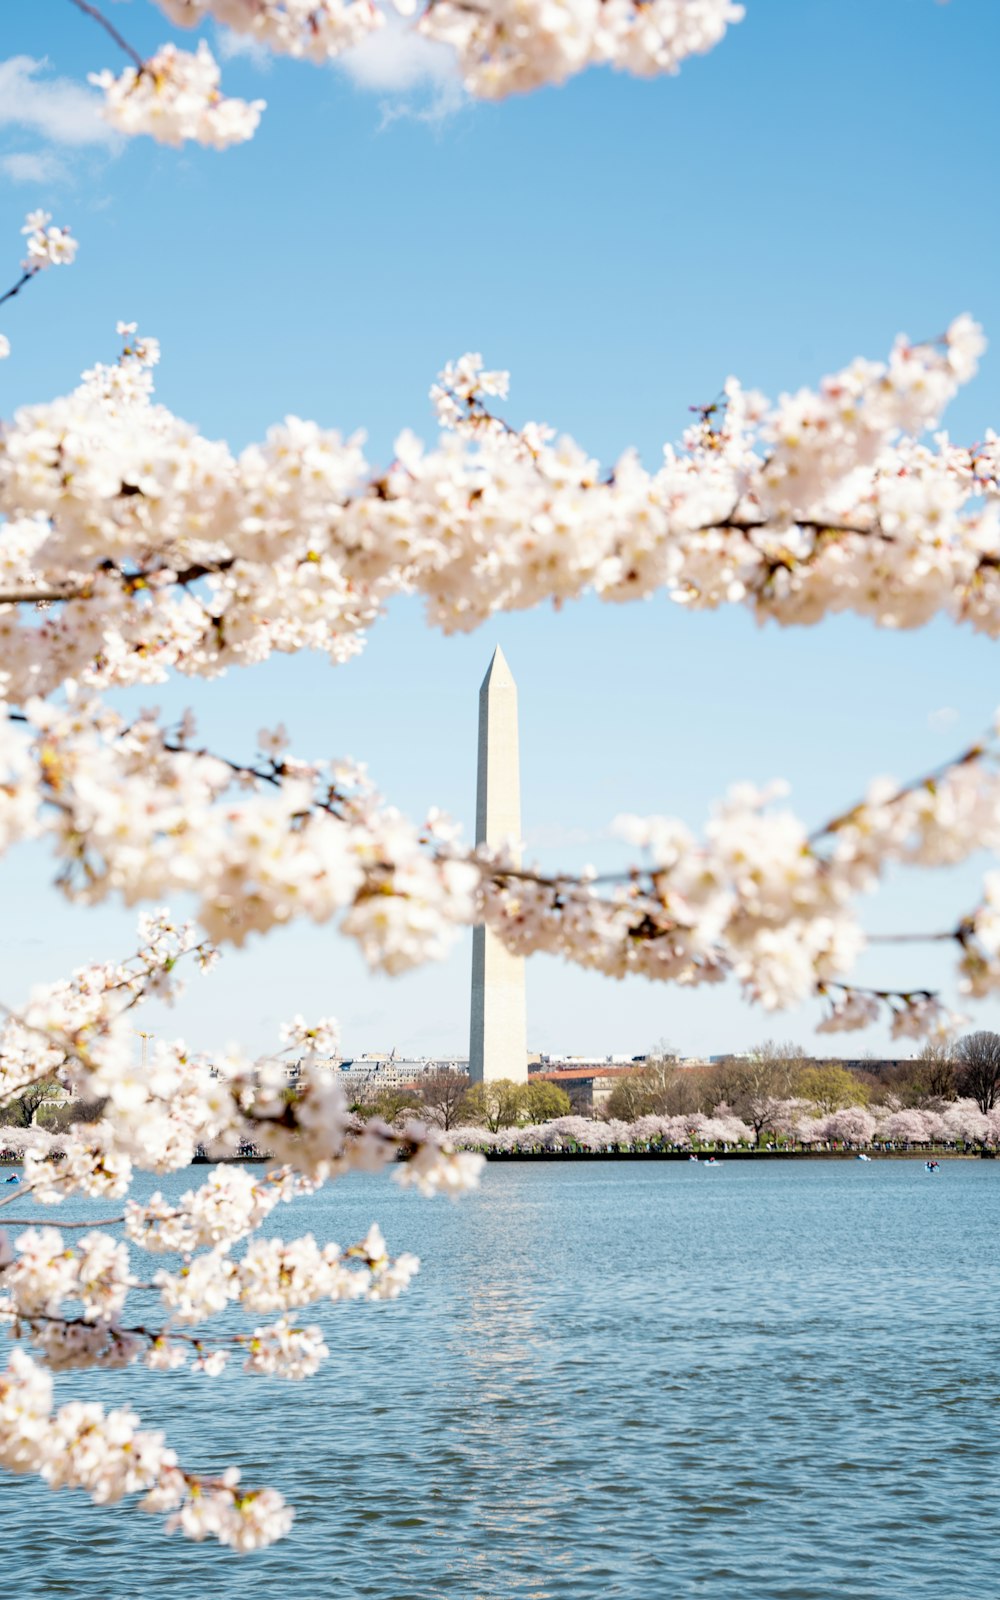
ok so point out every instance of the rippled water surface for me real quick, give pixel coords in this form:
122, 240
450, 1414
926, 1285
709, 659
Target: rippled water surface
624, 1379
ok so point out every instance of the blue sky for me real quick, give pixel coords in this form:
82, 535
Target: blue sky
813, 186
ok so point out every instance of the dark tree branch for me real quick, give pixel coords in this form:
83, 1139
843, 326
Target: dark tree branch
25, 277
111, 31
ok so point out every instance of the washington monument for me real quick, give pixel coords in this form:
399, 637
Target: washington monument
498, 1041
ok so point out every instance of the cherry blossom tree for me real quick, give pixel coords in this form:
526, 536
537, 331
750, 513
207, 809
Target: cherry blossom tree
759, 1084
133, 548
852, 1125
442, 1095
911, 1127
965, 1121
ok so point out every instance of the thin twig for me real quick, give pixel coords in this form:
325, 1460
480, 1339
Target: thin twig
111, 30
132, 582
27, 1188
44, 1222
879, 994
967, 757
25, 277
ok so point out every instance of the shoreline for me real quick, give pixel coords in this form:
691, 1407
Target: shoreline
720, 1156
723, 1156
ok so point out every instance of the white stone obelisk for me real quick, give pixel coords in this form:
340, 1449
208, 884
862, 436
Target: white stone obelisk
498, 1041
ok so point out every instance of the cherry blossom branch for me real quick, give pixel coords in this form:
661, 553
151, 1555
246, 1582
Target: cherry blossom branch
927, 780
879, 994
789, 510
46, 1222
25, 277
23, 1189
156, 967
501, 49
693, 913
82, 1447
47, 246
132, 583
118, 1333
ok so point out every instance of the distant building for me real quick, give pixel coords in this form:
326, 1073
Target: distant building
876, 1067
588, 1084
553, 1063
588, 1080
390, 1071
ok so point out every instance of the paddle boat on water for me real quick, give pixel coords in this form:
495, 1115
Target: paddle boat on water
711, 1162
863, 1157
932, 1166
12, 1178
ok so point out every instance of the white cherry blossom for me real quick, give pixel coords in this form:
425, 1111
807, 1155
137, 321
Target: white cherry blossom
154, 549
175, 97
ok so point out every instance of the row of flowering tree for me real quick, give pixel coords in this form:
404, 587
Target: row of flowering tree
134, 549
961, 1125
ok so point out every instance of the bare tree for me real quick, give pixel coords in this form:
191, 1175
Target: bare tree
756, 1085
978, 1058
441, 1097
663, 1054
940, 1069
633, 1096
659, 1088
930, 1080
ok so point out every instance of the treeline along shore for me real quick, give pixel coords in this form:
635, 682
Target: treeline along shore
773, 1103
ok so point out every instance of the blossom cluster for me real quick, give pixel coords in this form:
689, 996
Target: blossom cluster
158, 1113
43, 1278
153, 548
175, 96
105, 1453
48, 245
506, 48
501, 48
311, 30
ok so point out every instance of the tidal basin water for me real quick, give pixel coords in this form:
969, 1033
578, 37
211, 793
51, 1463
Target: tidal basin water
624, 1379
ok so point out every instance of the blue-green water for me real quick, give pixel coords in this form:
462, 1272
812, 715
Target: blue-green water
632, 1379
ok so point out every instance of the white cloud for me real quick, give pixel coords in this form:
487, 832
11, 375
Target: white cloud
396, 57
398, 60
241, 46
941, 720
62, 111
32, 166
